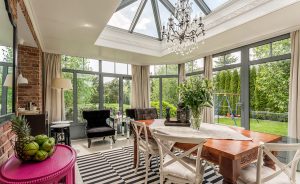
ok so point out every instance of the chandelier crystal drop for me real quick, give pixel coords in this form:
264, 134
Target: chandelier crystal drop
182, 33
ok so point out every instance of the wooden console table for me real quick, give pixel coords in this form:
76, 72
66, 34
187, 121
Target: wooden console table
230, 155
56, 169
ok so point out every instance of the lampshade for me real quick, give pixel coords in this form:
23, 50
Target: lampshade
22, 80
8, 80
60, 83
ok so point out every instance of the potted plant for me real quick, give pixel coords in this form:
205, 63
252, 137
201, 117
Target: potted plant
196, 93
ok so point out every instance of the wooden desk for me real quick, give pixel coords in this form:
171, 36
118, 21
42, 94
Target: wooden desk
230, 155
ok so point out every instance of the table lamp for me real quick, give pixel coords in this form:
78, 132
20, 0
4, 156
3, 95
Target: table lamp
63, 84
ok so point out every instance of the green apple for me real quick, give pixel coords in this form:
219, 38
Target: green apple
50, 153
52, 140
40, 155
47, 145
31, 148
40, 139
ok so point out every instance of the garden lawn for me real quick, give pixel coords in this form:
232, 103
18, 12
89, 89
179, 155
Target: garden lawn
266, 126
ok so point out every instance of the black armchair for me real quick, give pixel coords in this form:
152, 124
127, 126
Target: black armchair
97, 125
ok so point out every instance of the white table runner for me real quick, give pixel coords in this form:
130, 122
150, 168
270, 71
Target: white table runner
207, 130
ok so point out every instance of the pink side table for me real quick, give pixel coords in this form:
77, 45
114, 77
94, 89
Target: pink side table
59, 167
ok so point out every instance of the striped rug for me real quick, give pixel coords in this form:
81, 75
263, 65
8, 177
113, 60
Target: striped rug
116, 166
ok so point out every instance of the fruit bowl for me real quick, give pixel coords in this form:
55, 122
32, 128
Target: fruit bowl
36, 148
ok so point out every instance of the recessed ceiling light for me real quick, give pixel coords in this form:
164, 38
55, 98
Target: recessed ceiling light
87, 25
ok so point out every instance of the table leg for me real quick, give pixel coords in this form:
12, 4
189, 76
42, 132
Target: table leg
230, 169
70, 179
134, 150
268, 162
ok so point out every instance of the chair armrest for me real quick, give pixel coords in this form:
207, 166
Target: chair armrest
109, 120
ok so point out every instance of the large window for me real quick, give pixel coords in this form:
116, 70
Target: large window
269, 87
87, 93
6, 59
227, 105
96, 85
126, 94
111, 93
163, 91
253, 92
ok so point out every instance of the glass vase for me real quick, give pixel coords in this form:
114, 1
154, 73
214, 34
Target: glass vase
196, 118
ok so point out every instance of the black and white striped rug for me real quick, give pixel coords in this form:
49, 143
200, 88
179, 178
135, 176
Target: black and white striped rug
116, 166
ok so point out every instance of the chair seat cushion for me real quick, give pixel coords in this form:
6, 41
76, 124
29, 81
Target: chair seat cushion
100, 132
176, 169
248, 175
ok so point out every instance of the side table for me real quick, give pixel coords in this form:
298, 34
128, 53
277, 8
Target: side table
60, 168
61, 133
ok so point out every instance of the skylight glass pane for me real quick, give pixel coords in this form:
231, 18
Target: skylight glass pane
164, 13
123, 18
196, 10
213, 4
146, 23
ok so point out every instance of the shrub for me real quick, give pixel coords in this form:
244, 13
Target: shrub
165, 104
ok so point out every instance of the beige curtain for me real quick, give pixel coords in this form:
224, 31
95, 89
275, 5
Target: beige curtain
208, 113
140, 87
181, 76
294, 93
52, 69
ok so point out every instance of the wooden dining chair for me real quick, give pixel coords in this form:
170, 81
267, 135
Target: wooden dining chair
176, 166
147, 146
284, 173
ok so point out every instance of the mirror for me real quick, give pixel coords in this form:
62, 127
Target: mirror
6, 61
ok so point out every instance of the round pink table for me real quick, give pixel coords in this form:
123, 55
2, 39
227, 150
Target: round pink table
53, 170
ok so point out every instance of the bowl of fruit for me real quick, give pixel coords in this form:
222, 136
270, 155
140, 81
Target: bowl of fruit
29, 148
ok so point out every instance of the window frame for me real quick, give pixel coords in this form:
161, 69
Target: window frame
245, 71
100, 75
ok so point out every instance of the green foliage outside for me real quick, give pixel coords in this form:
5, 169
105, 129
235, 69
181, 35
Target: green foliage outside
165, 104
267, 126
88, 90
6, 55
169, 90
269, 84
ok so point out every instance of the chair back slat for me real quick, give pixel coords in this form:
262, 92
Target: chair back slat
288, 169
165, 144
140, 129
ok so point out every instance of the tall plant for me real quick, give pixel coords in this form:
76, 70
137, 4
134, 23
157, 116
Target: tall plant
196, 93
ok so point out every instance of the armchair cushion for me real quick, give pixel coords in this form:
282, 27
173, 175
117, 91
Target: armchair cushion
96, 118
100, 131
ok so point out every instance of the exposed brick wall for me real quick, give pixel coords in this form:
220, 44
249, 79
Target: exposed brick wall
6, 141
30, 65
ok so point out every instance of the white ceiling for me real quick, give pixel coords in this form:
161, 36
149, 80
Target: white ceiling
74, 30
24, 34
6, 29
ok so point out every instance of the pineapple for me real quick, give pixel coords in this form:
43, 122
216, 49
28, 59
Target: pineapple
21, 128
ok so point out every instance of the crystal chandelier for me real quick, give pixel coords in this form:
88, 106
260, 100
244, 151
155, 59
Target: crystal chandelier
183, 33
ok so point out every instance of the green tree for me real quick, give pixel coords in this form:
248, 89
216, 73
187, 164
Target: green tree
234, 83
225, 60
252, 87
259, 93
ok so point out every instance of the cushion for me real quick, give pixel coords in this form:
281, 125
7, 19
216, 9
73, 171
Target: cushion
176, 169
248, 175
100, 132
96, 118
